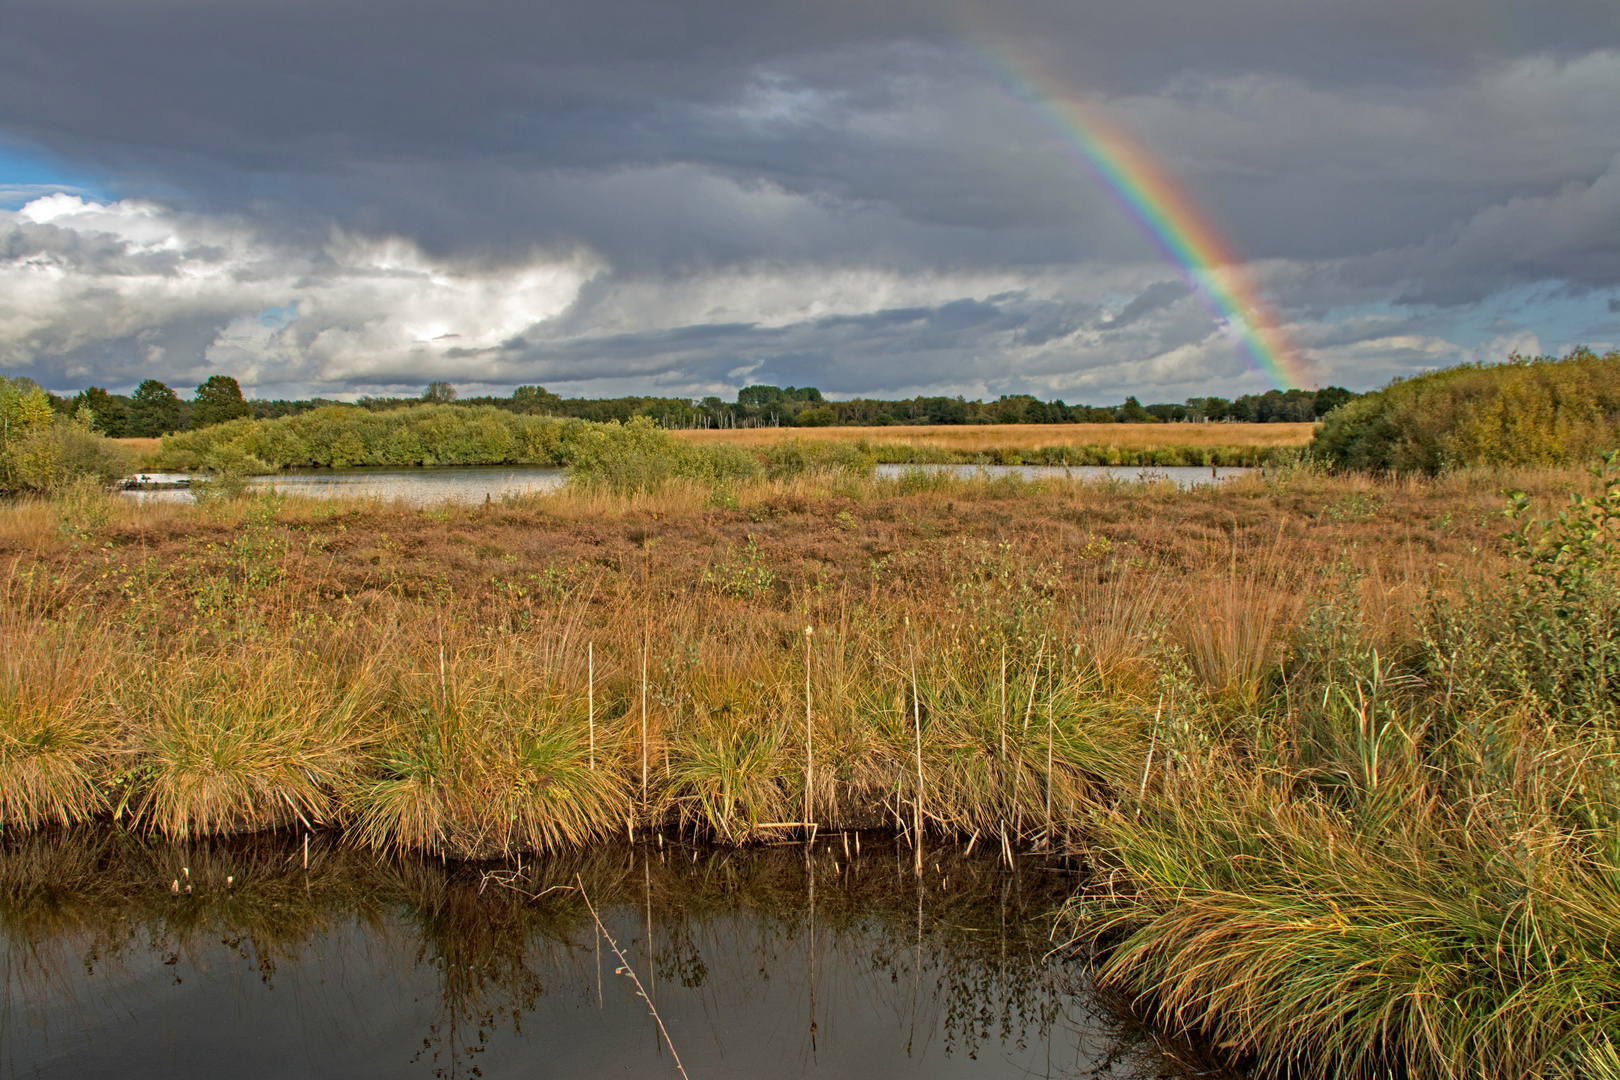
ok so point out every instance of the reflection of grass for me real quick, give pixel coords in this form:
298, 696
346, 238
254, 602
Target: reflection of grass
496, 939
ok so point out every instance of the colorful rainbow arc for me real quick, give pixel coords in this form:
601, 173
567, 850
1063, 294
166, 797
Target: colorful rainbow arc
1173, 222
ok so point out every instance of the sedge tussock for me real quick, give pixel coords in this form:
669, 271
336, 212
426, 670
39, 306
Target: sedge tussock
242, 738
55, 729
485, 754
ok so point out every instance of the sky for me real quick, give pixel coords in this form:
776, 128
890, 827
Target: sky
683, 197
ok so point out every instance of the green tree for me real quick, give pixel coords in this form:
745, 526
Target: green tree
154, 410
216, 401
439, 393
1331, 397
1132, 413
107, 413
535, 399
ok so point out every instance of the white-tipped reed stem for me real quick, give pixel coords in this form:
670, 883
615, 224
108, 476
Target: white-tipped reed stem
590, 695
645, 645
1023, 740
809, 738
1002, 726
1048, 764
1148, 765
916, 804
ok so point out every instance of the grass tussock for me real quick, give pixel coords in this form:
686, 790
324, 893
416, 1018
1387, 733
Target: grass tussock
482, 752
242, 738
55, 724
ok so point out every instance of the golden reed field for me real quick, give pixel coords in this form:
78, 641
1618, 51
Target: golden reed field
987, 438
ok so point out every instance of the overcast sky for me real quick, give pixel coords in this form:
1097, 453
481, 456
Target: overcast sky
681, 197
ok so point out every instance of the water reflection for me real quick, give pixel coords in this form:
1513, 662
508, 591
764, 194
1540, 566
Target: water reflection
776, 962
416, 487
1183, 476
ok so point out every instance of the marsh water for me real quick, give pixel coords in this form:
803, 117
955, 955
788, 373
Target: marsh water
1183, 476
477, 483
791, 961
415, 486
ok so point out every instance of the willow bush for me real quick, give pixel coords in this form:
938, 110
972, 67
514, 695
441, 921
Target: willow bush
40, 451
1527, 411
341, 436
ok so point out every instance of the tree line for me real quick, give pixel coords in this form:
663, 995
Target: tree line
155, 409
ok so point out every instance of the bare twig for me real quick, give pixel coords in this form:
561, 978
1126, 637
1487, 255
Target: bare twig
627, 970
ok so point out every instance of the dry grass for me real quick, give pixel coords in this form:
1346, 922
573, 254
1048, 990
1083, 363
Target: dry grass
243, 738
455, 716
55, 723
982, 438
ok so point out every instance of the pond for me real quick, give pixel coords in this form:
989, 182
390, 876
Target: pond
416, 486
476, 483
136, 959
1183, 476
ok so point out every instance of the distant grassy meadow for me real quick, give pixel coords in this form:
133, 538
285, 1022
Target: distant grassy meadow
1338, 750
1075, 444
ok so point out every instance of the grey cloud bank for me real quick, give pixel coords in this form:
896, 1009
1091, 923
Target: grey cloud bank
357, 197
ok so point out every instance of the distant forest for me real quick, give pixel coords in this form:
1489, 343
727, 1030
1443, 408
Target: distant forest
155, 409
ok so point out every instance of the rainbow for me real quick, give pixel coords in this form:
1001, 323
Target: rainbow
1164, 212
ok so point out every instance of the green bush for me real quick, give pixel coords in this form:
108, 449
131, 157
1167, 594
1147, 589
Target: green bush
39, 452
341, 436
1547, 637
641, 456
1541, 411
796, 457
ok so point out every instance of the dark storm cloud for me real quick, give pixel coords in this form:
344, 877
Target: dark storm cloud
694, 176
1159, 295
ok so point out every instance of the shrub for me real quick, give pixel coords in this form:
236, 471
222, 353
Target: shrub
39, 453
796, 457
1541, 411
341, 436
640, 456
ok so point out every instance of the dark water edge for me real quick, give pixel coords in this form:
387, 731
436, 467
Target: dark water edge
776, 962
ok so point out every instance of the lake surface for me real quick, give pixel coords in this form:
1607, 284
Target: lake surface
1183, 476
476, 483
418, 487
777, 962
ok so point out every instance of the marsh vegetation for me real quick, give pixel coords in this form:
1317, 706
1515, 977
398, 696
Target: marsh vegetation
1337, 752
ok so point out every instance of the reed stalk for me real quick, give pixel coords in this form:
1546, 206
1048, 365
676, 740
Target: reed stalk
917, 803
809, 741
